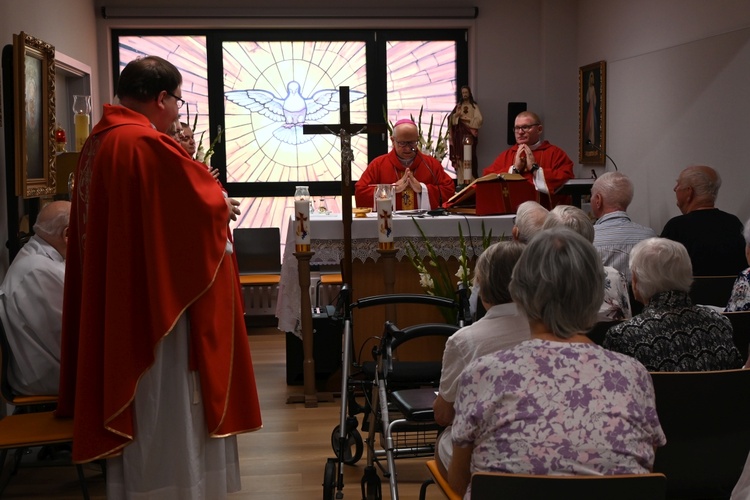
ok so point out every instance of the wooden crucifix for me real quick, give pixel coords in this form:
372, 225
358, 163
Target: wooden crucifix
345, 130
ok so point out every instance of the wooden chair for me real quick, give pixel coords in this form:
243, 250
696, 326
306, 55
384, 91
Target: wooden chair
30, 425
27, 430
440, 481
21, 404
491, 485
704, 416
740, 331
328, 279
258, 252
712, 290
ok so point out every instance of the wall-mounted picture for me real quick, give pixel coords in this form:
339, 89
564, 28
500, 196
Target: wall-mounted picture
34, 107
592, 113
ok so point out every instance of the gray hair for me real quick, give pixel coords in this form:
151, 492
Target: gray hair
530, 217
704, 180
615, 188
559, 281
53, 219
494, 268
660, 265
573, 218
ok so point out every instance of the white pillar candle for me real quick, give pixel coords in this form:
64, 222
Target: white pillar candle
302, 225
385, 224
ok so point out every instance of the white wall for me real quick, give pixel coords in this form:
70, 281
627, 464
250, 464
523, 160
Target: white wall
678, 73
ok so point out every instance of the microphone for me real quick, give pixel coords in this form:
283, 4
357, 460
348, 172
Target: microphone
589, 143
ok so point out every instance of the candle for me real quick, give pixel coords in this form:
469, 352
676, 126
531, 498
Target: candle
385, 224
467, 163
82, 129
302, 225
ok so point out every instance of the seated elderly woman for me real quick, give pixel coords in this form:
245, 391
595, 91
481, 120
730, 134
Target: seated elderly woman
740, 298
671, 334
557, 403
616, 303
501, 327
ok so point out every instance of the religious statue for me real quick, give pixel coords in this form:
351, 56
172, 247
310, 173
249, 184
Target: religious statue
465, 121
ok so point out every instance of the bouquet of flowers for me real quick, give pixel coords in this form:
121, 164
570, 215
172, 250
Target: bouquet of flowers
438, 147
435, 277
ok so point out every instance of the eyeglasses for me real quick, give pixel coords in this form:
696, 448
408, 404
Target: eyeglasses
406, 144
525, 128
180, 100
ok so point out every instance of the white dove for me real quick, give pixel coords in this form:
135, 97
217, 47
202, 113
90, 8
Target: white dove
294, 110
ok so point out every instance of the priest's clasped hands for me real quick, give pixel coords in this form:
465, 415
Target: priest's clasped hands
407, 180
524, 158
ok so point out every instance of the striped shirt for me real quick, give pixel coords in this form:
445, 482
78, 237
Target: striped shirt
615, 235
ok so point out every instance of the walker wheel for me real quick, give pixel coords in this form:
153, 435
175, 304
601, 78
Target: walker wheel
371, 484
354, 445
329, 480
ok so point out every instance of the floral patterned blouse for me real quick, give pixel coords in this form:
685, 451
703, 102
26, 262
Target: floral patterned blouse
557, 408
740, 298
673, 335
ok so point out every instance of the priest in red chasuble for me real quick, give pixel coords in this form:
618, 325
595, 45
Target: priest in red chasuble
156, 367
544, 165
419, 180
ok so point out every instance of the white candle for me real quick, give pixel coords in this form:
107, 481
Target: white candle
467, 163
302, 225
385, 224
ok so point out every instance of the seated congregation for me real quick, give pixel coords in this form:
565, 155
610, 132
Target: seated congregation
525, 390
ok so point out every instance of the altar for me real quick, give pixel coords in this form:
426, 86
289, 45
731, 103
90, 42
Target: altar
327, 242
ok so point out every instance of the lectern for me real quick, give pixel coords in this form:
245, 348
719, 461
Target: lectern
492, 194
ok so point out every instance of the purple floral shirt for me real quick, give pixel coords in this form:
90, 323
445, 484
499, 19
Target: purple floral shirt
557, 408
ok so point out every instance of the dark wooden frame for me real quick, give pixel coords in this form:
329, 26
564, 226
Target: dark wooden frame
592, 143
34, 110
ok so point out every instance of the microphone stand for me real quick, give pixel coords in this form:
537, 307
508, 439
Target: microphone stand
589, 143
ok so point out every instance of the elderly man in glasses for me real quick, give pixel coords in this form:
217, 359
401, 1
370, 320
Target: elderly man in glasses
419, 180
546, 166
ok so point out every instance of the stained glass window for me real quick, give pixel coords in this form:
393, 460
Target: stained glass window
272, 87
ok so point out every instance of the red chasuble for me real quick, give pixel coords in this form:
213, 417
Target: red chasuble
557, 167
387, 169
147, 238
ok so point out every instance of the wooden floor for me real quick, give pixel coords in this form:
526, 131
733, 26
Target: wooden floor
283, 461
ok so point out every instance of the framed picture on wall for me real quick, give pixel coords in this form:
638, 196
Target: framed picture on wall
592, 143
34, 111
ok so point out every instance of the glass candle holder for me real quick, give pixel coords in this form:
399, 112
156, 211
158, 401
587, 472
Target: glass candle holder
82, 110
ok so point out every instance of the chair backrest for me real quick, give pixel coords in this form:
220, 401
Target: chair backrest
704, 416
599, 331
491, 485
258, 250
712, 290
740, 330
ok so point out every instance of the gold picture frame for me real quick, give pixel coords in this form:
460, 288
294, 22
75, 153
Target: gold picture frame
592, 108
34, 111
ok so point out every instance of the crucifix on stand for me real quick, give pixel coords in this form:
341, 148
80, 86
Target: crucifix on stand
344, 130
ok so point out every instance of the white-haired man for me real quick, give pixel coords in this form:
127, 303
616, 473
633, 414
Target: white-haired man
615, 234
713, 238
32, 303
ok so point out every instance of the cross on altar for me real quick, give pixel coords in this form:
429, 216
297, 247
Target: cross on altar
345, 130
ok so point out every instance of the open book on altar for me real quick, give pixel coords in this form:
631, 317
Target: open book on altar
492, 194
